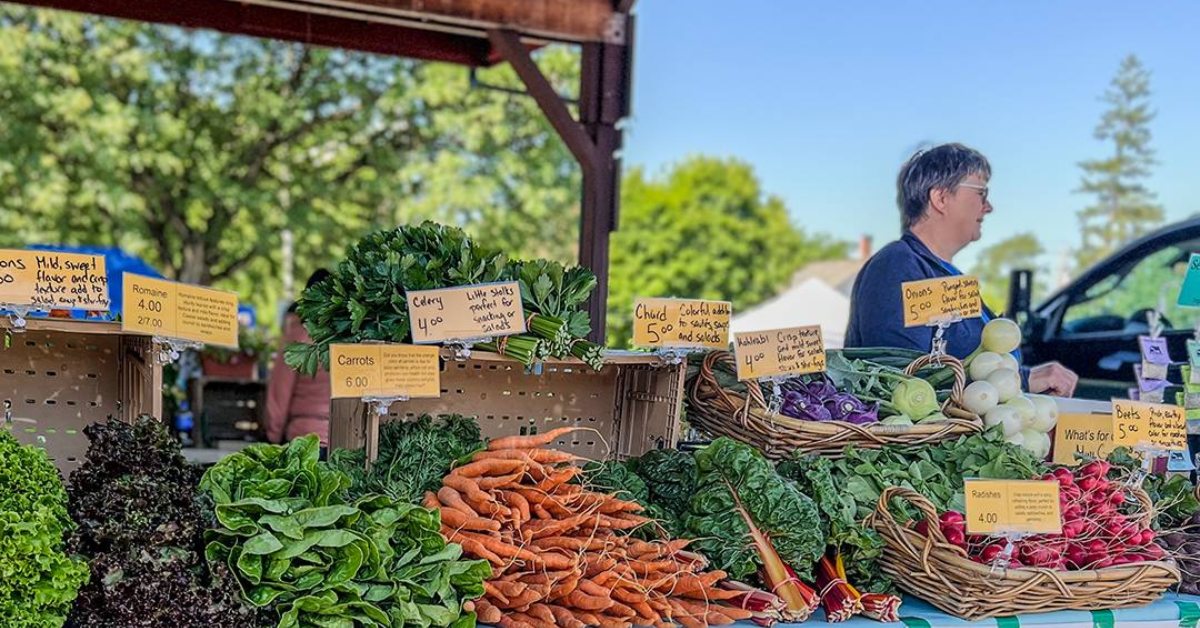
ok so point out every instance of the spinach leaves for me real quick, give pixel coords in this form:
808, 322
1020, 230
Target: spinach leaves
295, 544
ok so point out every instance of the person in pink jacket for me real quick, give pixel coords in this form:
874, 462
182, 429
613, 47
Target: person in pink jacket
297, 405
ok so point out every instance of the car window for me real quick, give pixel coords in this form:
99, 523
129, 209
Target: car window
1119, 302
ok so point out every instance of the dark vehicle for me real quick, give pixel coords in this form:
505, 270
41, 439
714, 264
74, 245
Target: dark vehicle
1092, 325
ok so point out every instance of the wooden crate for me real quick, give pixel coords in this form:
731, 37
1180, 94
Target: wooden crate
633, 404
58, 376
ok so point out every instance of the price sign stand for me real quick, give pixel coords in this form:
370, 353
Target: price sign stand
672, 356
1004, 558
169, 349
938, 348
378, 408
775, 403
1149, 454
462, 347
16, 315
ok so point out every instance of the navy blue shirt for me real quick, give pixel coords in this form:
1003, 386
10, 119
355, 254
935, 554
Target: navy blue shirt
876, 306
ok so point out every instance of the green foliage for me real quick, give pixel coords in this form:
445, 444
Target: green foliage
1124, 208
619, 479
705, 230
298, 547
38, 581
995, 264
549, 288
936, 471
141, 527
670, 476
730, 473
414, 456
195, 150
1173, 495
859, 546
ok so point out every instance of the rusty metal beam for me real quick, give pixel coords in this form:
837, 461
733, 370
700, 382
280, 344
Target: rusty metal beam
508, 44
289, 25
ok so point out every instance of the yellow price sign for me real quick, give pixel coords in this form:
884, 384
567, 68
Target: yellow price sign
384, 370
681, 323
51, 280
176, 310
791, 351
940, 299
998, 507
1087, 434
1142, 424
478, 311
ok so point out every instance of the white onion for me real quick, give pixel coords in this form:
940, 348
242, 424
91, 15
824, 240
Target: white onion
1038, 443
1025, 409
1001, 335
980, 397
984, 364
1047, 413
1008, 361
1007, 383
1004, 416
1017, 439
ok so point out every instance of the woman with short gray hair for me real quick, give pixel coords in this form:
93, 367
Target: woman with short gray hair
942, 194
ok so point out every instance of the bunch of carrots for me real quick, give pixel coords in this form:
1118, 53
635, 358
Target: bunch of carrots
561, 555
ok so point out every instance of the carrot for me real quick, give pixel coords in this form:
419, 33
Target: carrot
456, 519
541, 513
542, 612
583, 601
523, 601
614, 506
644, 612
587, 618
510, 589
486, 613
558, 478
735, 613
532, 441
710, 594
552, 505
475, 497
431, 501
473, 547
565, 618
547, 577
621, 594
489, 468
614, 622
519, 505
571, 543
541, 456
451, 498
490, 483
621, 610
564, 588
557, 527
508, 621
491, 590
623, 523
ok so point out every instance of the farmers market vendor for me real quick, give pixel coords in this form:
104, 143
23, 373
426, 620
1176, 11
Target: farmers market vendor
943, 197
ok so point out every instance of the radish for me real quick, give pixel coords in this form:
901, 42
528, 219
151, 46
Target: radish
991, 552
1095, 469
952, 517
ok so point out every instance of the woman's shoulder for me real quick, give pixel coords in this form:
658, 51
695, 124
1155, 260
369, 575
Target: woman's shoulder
897, 257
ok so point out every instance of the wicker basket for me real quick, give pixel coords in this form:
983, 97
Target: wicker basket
722, 412
941, 574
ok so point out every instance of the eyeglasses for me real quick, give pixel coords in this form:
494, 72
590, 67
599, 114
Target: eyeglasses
983, 189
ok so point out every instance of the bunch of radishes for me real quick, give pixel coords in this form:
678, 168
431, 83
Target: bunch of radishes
1096, 533
995, 391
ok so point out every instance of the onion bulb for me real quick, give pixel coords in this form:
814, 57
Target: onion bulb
1001, 335
1025, 409
1005, 416
1007, 383
1017, 439
1047, 413
1009, 361
984, 364
1037, 443
980, 397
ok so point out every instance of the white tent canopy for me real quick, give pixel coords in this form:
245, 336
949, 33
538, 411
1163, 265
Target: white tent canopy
811, 302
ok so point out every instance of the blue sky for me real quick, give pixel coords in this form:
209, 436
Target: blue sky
826, 99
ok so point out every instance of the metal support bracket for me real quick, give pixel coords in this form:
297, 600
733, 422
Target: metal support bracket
169, 349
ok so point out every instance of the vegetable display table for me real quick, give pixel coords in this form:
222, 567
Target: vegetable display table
1172, 611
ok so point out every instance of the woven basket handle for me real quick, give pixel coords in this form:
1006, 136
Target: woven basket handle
1146, 514
956, 365
883, 510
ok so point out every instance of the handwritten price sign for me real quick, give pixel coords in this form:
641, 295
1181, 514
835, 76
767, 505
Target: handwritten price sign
50, 280
791, 351
933, 300
1137, 423
681, 323
478, 311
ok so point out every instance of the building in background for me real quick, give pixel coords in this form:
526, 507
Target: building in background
819, 294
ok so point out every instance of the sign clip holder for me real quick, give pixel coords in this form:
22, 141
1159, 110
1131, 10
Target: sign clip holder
775, 403
1004, 559
169, 349
1150, 454
379, 407
938, 348
462, 348
17, 314
672, 356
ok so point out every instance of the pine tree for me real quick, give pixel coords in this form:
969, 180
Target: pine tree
1124, 208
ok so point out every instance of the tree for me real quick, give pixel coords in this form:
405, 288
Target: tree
996, 263
705, 230
1123, 207
195, 150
